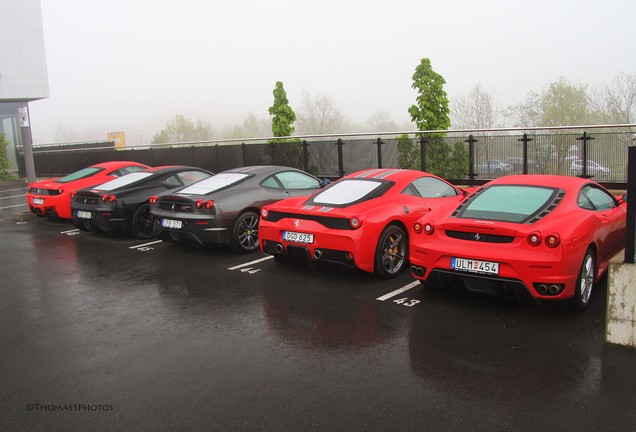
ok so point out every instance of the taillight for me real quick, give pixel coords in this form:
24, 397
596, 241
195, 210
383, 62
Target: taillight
354, 222
104, 197
199, 203
153, 199
264, 213
417, 228
429, 228
534, 238
209, 205
553, 240
111, 198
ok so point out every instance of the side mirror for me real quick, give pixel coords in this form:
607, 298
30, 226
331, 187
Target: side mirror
623, 199
325, 182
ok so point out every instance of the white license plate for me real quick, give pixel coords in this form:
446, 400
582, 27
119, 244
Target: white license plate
84, 214
172, 224
475, 266
296, 237
37, 201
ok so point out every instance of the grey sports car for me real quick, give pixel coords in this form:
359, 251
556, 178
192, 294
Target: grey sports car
224, 209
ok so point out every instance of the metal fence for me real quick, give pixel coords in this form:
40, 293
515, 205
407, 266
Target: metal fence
598, 152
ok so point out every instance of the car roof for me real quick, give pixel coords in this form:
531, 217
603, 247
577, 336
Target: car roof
393, 174
261, 170
564, 182
117, 164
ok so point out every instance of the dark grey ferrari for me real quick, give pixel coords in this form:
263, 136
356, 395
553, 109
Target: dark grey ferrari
224, 209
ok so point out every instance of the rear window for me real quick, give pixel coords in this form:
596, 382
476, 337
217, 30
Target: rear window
123, 181
508, 203
83, 173
346, 192
214, 183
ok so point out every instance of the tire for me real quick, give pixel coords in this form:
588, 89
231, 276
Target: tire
391, 253
585, 281
245, 233
142, 223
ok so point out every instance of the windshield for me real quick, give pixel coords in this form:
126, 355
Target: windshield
83, 173
213, 184
123, 181
347, 192
508, 203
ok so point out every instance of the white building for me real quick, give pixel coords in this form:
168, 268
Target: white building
23, 75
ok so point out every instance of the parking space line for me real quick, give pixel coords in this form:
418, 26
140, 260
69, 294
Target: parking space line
12, 206
251, 262
69, 231
13, 196
13, 190
145, 244
399, 291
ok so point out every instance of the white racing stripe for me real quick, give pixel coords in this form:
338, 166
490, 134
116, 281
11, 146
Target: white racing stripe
251, 262
399, 291
145, 244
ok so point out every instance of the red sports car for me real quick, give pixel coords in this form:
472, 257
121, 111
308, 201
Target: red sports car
53, 196
549, 236
359, 221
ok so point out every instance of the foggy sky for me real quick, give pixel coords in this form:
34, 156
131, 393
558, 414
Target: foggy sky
132, 65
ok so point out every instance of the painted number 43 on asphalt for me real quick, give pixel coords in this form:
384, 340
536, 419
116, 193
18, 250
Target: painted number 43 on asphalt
406, 302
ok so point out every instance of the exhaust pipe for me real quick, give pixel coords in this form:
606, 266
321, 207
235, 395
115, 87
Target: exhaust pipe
418, 271
542, 289
279, 248
317, 254
553, 289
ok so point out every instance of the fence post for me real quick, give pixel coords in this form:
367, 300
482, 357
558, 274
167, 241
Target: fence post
423, 143
585, 138
305, 155
471, 160
379, 143
340, 158
525, 141
630, 239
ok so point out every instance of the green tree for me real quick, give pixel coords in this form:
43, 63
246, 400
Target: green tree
431, 113
5, 174
408, 153
182, 129
289, 151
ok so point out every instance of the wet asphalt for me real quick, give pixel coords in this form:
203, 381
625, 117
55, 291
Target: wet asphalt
100, 333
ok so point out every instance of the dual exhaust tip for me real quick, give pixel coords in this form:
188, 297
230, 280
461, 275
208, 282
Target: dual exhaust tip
280, 249
418, 271
552, 289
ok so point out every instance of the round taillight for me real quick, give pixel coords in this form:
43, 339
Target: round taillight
264, 213
209, 205
429, 228
534, 238
199, 203
104, 197
111, 198
417, 228
553, 240
354, 222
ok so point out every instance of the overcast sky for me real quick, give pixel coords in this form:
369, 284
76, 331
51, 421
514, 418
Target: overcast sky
132, 65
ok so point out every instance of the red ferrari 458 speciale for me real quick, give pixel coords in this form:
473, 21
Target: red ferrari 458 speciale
551, 237
52, 197
359, 221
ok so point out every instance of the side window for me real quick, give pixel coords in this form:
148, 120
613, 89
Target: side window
431, 187
270, 182
189, 177
297, 180
593, 198
171, 182
126, 170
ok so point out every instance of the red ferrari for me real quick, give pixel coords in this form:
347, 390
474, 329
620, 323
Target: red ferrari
52, 197
551, 237
359, 221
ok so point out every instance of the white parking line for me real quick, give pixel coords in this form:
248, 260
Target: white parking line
145, 244
13, 190
13, 196
12, 206
69, 231
399, 291
251, 262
